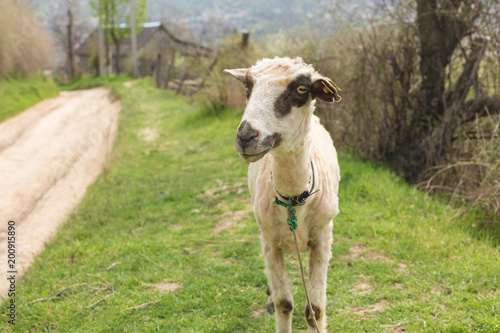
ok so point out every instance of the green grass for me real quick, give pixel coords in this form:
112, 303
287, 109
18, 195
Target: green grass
18, 94
86, 81
150, 216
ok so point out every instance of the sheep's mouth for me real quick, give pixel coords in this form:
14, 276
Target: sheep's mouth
254, 157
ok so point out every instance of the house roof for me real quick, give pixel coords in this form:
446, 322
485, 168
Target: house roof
143, 37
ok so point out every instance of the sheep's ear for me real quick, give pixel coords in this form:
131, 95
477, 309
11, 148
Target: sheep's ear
239, 73
325, 90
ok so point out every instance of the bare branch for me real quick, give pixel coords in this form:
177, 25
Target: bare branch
151, 261
141, 306
107, 284
57, 294
101, 300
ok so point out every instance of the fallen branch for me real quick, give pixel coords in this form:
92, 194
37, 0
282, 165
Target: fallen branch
151, 261
395, 325
443, 168
113, 265
99, 290
107, 284
141, 306
57, 294
101, 300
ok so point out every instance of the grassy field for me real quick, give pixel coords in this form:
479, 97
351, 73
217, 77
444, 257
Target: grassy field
17, 95
165, 241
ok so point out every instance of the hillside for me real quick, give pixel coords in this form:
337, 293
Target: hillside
165, 240
260, 17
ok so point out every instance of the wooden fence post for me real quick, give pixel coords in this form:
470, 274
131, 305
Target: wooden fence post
158, 71
245, 37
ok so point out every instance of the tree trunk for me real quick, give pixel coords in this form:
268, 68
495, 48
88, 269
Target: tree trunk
117, 63
158, 74
170, 68
71, 49
440, 32
454, 100
116, 41
106, 38
427, 143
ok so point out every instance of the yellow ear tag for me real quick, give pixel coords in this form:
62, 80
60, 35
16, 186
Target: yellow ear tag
337, 87
327, 90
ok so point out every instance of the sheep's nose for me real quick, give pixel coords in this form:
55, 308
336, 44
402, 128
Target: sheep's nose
245, 139
246, 133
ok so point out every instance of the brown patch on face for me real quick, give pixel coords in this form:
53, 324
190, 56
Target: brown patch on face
291, 97
274, 139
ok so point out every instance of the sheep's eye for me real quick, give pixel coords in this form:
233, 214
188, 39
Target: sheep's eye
302, 89
245, 85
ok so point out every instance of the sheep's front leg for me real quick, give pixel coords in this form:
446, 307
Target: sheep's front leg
319, 257
278, 285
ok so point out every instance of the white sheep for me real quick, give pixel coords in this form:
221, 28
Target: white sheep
292, 156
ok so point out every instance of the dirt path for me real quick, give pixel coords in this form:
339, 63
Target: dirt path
49, 154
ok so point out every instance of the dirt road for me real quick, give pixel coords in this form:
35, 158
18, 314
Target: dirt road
49, 154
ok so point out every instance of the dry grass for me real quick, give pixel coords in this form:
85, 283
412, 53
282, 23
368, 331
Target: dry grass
24, 45
475, 172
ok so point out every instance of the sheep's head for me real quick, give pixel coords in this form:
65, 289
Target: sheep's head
281, 93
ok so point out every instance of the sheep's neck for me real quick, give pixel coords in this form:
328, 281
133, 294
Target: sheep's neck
291, 171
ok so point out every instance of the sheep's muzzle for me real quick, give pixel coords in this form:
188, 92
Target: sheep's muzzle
250, 145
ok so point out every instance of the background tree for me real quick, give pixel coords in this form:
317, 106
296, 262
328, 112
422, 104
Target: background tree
444, 28
113, 14
69, 27
423, 83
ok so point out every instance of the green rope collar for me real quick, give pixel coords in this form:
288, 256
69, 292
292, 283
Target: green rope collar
290, 202
292, 217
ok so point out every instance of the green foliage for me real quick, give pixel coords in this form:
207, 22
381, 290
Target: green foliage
400, 258
18, 94
115, 12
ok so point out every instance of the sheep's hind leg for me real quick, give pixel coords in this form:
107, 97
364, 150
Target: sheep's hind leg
280, 296
319, 257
